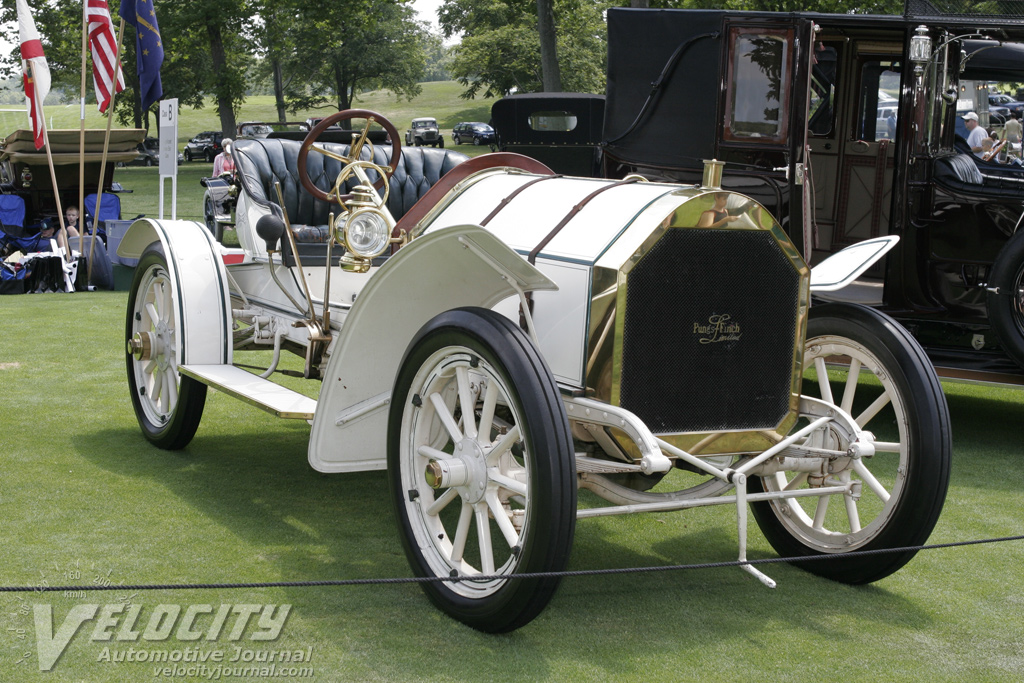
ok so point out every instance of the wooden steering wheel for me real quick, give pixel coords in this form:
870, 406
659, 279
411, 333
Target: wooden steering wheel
354, 149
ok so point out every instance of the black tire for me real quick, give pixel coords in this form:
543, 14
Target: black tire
456, 139
210, 217
208, 155
188, 155
149, 161
1005, 297
169, 421
477, 142
440, 143
913, 449
481, 345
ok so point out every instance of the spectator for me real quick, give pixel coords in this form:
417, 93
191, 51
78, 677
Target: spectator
718, 215
224, 163
71, 221
975, 133
1013, 129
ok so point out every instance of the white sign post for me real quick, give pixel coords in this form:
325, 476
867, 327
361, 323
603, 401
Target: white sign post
169, 153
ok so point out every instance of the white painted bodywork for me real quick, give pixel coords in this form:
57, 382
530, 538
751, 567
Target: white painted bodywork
842, 268
624, 214
459, 266
199, 284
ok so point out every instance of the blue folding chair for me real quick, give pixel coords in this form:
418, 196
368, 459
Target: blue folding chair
110, 210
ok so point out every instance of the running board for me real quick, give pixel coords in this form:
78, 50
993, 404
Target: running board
254, 390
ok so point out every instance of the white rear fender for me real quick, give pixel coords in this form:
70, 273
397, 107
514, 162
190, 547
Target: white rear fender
450, 268
199, 282
843, 267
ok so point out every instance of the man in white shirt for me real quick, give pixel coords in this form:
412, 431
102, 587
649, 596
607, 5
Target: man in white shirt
975, 133
1013, 129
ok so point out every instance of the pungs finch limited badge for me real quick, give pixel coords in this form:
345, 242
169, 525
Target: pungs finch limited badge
718, 328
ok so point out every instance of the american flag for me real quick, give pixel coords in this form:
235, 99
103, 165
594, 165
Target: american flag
103, 46
37, 79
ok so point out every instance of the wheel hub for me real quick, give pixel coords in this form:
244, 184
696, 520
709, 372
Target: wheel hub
141, 346
466, 471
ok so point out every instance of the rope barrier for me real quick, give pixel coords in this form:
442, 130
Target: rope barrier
492, 577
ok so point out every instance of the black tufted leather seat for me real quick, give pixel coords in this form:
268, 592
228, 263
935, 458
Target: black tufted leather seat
966, 174
262, 162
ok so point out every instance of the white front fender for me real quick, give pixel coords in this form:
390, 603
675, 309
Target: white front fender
450, 268
843, 267
199, 283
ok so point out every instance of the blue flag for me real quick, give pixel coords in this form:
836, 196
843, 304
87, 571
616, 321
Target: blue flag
149, 48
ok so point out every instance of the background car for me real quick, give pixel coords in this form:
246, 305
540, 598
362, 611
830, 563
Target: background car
423, 131
148, 154
254, 129
206, 146
1003, 100
479, 133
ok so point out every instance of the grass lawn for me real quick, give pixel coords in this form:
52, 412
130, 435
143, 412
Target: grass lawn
84, 492
438, 99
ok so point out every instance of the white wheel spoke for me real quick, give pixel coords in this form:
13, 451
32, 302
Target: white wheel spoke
441, 502
487, 413
483, 534
167, 310
797, 482
823, 383
873, 409
876, 486
501, 517
461, 532
820, 511
151, 311
503, 445
433, 453
172, 389
887, 447
852, 514
468, 402
156, 386
513, 485
443, 414
852, 377
166, 385
150, 367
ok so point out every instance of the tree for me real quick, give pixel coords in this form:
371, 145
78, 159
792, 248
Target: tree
500, 50
551, 76
274, 35
438, 58
346, 48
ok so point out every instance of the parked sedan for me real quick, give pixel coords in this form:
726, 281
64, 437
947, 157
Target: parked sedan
1003, 100
206, 146
148, 154
479, 133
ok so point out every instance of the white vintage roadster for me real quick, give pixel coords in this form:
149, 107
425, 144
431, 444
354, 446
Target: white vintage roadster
498, 337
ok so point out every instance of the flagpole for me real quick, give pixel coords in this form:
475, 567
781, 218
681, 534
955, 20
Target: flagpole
110, 120
53, 176
81, 144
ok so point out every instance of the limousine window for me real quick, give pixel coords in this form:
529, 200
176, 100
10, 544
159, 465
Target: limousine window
758, 84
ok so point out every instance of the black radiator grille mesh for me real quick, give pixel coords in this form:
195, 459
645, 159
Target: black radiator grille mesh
737, 291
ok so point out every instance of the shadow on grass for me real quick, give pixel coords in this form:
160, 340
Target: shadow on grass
259, 486
311, 526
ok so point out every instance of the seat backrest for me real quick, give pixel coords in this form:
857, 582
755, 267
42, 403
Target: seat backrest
263, 162
110, 207
12, 211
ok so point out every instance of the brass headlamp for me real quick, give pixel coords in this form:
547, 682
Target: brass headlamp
366, 231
